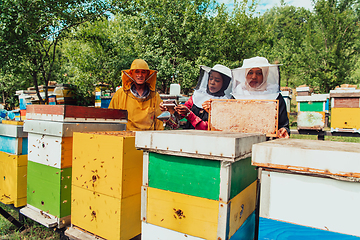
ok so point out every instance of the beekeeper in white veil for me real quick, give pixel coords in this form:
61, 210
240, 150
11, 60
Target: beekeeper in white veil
213, 83
258, 79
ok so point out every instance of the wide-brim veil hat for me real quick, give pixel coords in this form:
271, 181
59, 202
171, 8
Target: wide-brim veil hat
271, 78
140, 64
201, 95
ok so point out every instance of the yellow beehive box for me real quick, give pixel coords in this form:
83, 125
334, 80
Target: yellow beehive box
13, 179
196, 216
345, 118
106, 184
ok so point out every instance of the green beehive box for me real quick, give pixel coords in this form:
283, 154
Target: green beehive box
49, 191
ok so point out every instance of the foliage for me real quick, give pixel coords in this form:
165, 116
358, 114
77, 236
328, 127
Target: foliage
30, 32
331, 44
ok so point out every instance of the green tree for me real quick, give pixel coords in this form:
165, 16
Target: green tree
30, 32
331, 44
287, 28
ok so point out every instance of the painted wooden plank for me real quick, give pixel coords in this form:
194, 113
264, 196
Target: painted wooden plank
191, 176
215, 145
315, 202
191, 215
153, 232
345, 118
75, 233
17, 146
346, 102
105, 216
242, 175
50, 150
49, 189
311, 156
11, 130
258, 116
13, 170
62, 129
270, 229
312, 106
45, 218
68, 112
311, 120
241, 207
107, 162
247, 229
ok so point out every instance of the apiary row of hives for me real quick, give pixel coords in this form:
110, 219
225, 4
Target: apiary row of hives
345, 110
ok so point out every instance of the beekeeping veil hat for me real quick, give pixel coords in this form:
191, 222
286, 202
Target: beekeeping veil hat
138, 64
202, 93
268, 89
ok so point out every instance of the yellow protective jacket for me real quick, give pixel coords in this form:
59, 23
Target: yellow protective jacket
142, 113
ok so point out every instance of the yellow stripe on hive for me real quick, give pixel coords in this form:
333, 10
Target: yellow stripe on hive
242, 205
183, 213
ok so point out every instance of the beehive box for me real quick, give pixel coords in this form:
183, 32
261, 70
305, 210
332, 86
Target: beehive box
311, 120
12, 138
303, 91
50, 150
234, 115
345, 110
106, 191
287, 95
303, 182
68, 113
13, 179
48, 192
313, 103
13, 163
198, 183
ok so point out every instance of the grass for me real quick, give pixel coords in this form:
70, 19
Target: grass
33, 230
327, 138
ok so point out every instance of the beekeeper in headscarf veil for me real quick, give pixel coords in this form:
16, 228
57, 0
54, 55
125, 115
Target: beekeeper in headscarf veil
213, 83
258, 79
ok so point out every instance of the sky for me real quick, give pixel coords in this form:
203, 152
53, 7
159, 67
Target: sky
267, 4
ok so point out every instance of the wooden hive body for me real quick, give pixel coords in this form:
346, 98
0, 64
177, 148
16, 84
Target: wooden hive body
188, 193
13, 163
311, 111
50, 159
302, 183
12, 138
13, 170
106, 189
345, 110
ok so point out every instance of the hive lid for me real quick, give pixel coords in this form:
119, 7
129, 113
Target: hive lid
68, 113
213, 145
345, 93
12, 130
313, 98
312, 156
62, 129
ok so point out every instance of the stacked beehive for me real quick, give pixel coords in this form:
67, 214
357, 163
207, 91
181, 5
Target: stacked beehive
106, 199
345, 110
50, 140
13, 163
312, 110
197, 185
309, 189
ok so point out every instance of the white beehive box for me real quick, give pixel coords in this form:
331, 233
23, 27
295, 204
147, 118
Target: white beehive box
303, 183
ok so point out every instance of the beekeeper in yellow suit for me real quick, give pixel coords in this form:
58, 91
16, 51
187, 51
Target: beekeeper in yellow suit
137, 95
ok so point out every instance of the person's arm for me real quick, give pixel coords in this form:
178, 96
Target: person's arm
283, 120
184, 111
